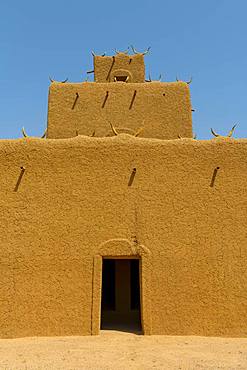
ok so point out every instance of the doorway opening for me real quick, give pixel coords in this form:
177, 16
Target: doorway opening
120, 300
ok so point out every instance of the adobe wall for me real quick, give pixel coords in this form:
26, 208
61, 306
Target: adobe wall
88, 107
108, 67
59, 215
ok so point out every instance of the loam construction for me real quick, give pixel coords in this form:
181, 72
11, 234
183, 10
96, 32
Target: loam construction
118, 218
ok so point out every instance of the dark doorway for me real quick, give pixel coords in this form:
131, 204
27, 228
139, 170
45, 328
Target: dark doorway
120, 301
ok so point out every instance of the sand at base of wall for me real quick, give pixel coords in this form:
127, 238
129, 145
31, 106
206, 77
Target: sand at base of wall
120, 350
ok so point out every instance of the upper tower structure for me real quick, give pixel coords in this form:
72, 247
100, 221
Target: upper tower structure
119, 97
119, 68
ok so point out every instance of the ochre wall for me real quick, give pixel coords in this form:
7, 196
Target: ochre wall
106, 67
74, 197
164, 109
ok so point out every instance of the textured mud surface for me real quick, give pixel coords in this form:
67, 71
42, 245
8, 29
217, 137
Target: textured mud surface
183, 214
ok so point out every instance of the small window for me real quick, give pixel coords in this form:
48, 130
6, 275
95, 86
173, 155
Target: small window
121, 78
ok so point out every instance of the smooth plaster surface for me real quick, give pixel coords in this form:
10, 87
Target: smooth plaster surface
73, 203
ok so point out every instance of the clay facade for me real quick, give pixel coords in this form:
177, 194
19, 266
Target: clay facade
70, 202
120, 97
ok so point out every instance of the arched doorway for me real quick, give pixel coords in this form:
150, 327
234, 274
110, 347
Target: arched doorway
117, 258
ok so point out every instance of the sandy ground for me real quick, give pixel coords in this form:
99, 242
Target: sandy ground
119, 350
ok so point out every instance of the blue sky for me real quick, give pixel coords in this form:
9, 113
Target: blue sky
202, 39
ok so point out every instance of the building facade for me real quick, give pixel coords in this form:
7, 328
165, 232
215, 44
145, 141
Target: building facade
120, 218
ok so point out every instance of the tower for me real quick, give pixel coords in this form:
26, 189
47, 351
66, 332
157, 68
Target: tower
119, 97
